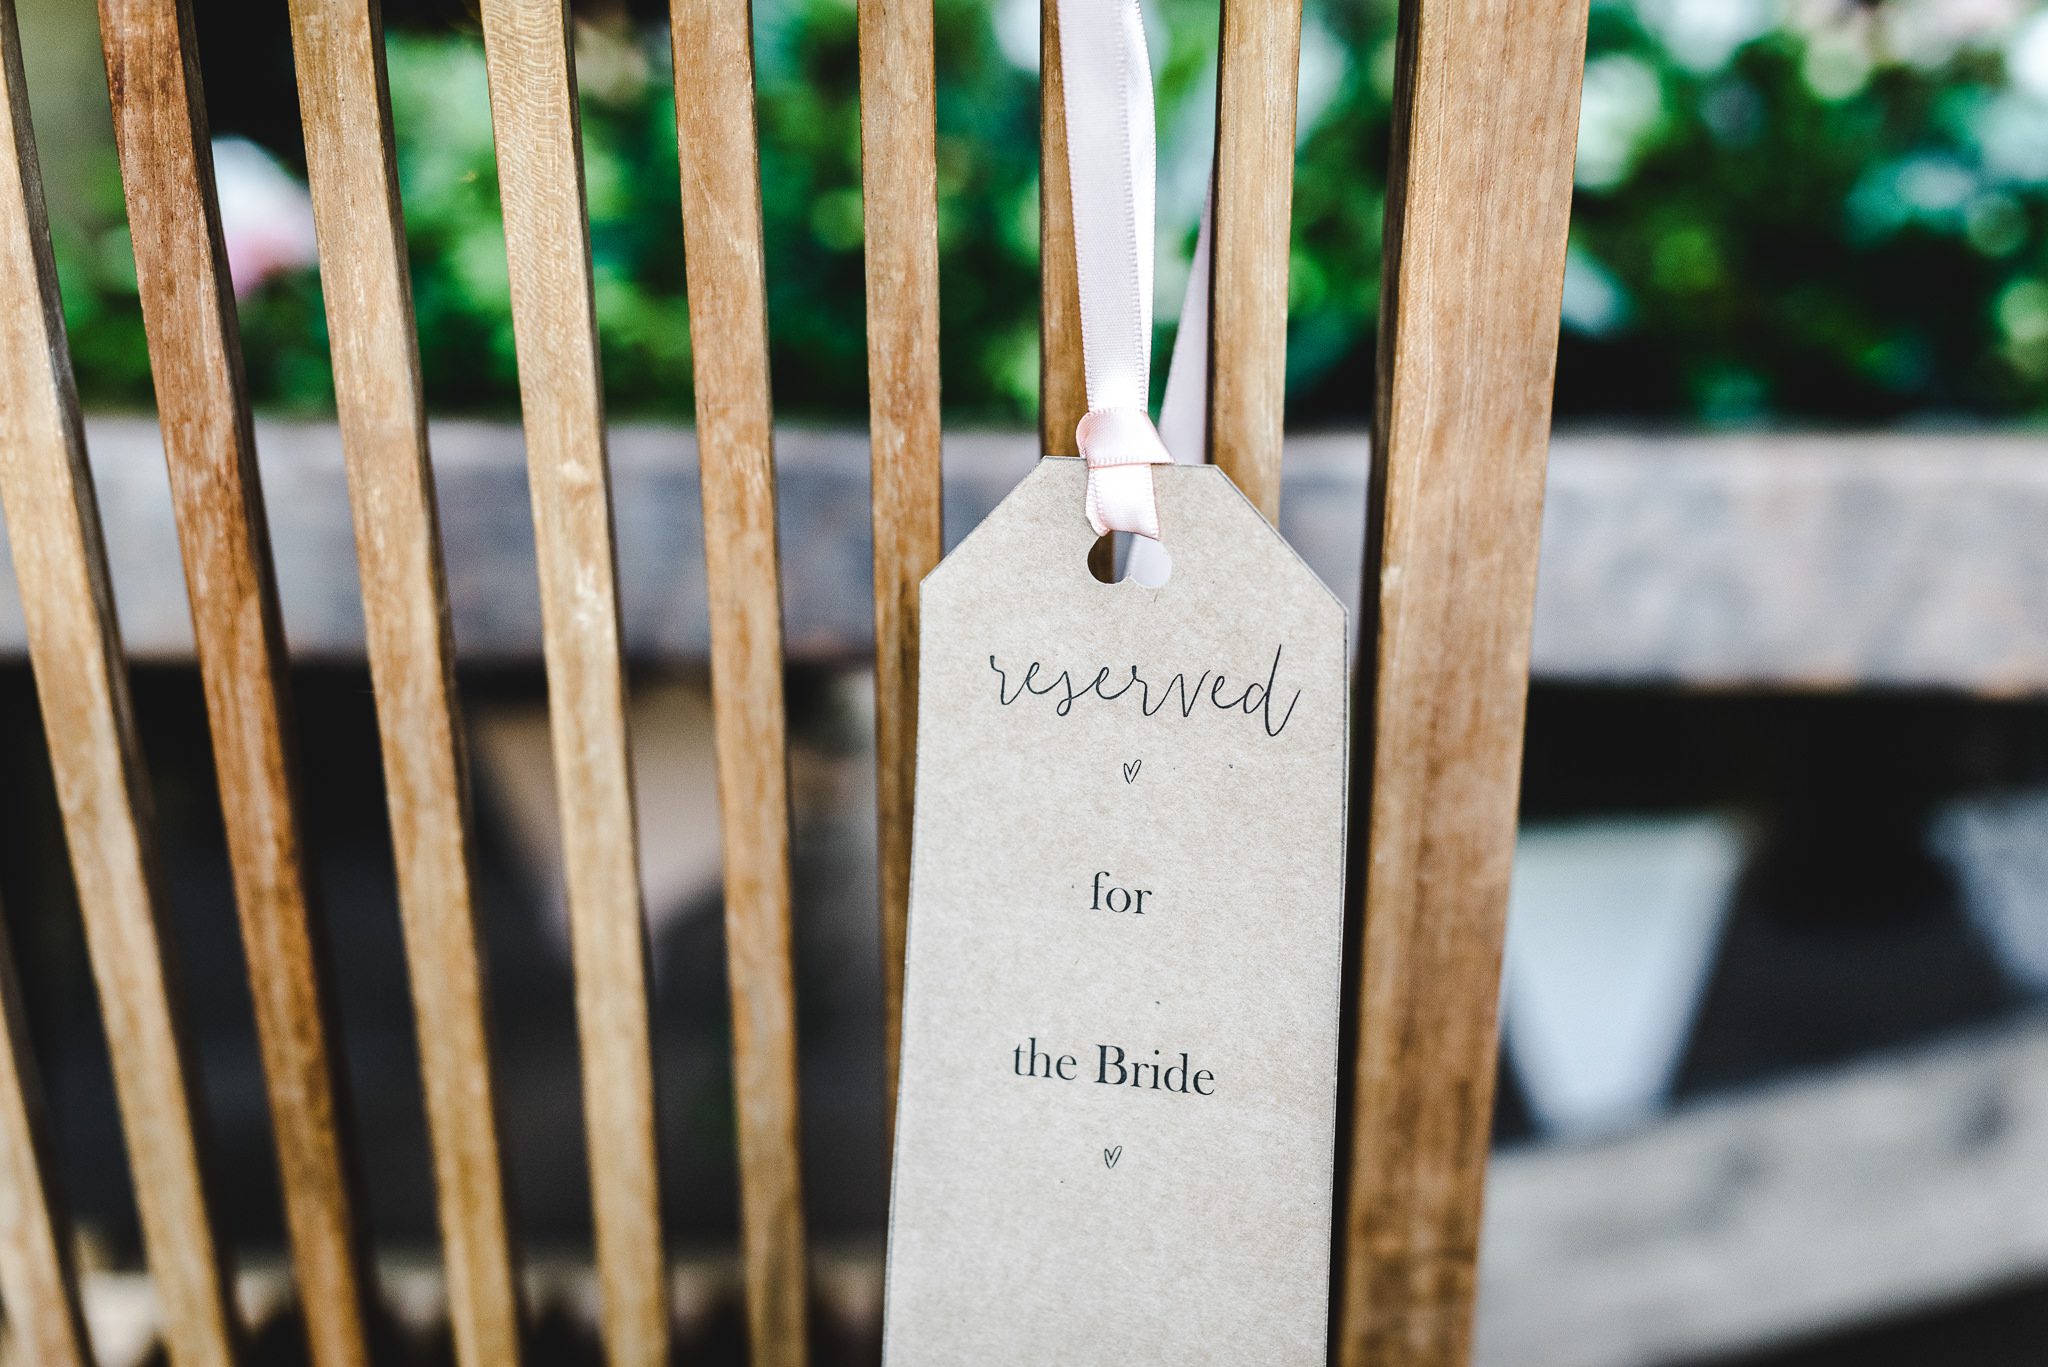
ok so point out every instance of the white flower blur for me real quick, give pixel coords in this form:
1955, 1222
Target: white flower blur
266, 214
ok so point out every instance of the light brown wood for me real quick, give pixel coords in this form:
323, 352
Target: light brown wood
540, 176
38, 1285
1257, 67
344, 105
721, 180
195, 358
82, 683
1062, 379
1479, 199
899, 189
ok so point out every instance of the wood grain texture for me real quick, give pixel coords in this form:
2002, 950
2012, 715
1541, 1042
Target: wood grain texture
38, 1285
899, 193
344, 104
80, 677
721, 190
82, 683
1486, 113
1257, 69
540, 177
1062, 377
195, 359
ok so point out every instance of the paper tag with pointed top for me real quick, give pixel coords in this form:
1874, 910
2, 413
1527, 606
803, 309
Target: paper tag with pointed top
1115, 1136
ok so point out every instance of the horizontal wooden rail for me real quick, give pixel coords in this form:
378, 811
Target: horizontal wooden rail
1845, 1196
1877, 560
1872, 1190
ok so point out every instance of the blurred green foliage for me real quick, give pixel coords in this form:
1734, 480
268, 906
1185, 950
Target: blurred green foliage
1787, 209
1836, 214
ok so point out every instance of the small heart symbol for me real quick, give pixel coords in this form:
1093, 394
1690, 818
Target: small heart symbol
1131, 769
1109, 1156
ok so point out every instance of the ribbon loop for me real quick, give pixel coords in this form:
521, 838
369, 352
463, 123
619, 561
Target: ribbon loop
1120, 436
1119, 445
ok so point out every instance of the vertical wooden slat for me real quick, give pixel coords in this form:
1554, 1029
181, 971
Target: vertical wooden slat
1062, 380
195, 358
345, 107
38, 1288
540, 176
721, 187
1479, 199
82, 682
1257, 65
899, 187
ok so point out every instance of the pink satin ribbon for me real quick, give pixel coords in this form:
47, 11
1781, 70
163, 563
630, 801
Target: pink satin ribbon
1121, 446
1107, 78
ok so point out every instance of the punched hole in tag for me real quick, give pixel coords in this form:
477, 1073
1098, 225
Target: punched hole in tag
1124, 557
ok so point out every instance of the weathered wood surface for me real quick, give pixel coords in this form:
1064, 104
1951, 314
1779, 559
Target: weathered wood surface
38, 1285
540, 173
1258, 64
344, 106
1062, 379
1486, 110
1858, 560
65, 618
195, 359
899, 195
721, 192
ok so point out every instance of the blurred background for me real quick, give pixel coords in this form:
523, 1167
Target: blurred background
1774, 1085
1788, 210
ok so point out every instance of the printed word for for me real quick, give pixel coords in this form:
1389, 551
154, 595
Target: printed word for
1118, 899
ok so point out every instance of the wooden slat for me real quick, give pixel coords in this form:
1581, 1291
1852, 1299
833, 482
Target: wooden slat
38, 1286
345, 109
188, 313
721, 187
1486, 111
540, 175
899, 186
1062, 380
82, 683
1258, 61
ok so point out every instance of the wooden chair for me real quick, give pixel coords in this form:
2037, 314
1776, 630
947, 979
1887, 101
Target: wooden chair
1476, 219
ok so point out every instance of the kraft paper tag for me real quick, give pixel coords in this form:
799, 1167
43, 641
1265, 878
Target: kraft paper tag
1116, 1128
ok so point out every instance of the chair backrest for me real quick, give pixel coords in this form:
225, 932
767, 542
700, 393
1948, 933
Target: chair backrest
1477, 211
